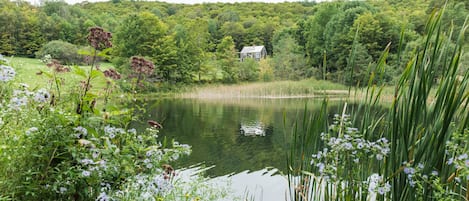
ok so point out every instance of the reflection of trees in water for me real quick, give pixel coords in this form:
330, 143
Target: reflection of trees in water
213, 132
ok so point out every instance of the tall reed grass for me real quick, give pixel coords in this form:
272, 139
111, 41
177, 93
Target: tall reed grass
428, 112
277, 89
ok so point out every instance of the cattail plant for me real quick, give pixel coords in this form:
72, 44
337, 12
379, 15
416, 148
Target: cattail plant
424, 131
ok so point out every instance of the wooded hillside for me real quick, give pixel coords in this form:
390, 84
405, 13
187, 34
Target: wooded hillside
190, 43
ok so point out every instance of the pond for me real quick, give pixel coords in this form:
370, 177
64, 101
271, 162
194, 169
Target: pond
245, 139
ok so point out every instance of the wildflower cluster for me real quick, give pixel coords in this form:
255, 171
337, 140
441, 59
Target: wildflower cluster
22, 97
414, 174
113, 74
99, 39
105, 152
376, 184
344, 148
188, 185
145, 187
112, 132
7, 73
458, 155
46, 59
142, 66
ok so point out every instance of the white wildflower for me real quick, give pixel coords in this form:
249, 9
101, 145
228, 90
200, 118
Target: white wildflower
103, 197
379, 157
462, 157
41, 96
348, 146
132, 131
420, 166
95, 154
409, 170
62, 190
450, 161
17, 102
86, 173
7, 73
31, 130
87, 161
321, 167
81, 131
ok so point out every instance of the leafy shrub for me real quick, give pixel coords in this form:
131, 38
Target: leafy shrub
65, 52
248, 70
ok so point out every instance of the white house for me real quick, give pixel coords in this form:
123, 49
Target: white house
255, 52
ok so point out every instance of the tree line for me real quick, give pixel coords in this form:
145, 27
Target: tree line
337, 40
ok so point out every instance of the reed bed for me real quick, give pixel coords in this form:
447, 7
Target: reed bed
278, 89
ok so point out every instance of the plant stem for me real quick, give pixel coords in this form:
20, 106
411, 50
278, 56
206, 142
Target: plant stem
57, 85
87, 85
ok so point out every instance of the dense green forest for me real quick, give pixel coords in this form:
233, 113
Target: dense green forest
336, 41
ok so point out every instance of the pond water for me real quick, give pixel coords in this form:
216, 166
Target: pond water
245, 139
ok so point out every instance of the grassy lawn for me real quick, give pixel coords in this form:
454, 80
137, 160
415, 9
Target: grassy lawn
27, 70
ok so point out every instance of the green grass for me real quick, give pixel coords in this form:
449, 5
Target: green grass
27, 69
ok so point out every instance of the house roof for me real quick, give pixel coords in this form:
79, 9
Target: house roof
251, 49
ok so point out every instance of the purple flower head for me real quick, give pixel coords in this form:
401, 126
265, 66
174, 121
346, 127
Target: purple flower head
113, 74
141, 65
99, 39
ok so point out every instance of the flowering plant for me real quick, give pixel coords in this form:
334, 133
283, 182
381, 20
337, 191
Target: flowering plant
346, 153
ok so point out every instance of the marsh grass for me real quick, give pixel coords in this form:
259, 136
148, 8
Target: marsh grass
277, 89
429, 108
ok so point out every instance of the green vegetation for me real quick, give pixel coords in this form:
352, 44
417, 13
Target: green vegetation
417, 150
61, 139
336, 41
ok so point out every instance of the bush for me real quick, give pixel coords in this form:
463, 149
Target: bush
65, 52
248, 70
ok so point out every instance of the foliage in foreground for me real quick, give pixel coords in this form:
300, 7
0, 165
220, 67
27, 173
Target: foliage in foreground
57, 145
427, 135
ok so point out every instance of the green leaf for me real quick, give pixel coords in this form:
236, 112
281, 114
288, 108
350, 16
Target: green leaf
85, 52
48, 74
78, 71
96, 73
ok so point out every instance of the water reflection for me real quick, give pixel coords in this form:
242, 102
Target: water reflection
256, 128
213, 129
238, 137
